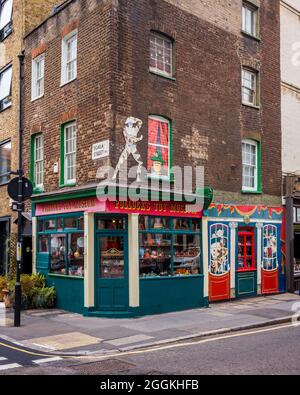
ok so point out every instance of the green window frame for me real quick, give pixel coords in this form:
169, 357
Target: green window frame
173, 232
249, 165
68, 153
37, 162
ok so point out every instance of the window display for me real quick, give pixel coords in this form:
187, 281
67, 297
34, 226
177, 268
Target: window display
58, 262
75, 254
43, 245
112, 257
111, 224
246, 249
173, 251
270, 261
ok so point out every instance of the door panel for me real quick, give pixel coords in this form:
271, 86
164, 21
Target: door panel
111, 272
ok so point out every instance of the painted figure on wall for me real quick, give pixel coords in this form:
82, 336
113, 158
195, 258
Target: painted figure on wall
131, 131
219, 257
270, 261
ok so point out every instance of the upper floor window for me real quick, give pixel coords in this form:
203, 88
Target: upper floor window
38, 159
69, 58
250, 91
6, 7
250, 165
69, 146
161, 54
37, 83
5, 162
5, 87
297, 215
250, 20
159, 130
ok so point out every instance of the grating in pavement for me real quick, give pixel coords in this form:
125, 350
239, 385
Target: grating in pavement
110, 365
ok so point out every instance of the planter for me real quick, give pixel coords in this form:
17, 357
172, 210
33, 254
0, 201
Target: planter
6, 299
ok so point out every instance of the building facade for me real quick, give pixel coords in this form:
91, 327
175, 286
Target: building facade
162, 84
290, 90
16, 18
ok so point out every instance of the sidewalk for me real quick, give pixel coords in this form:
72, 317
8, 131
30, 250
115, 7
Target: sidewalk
57, 331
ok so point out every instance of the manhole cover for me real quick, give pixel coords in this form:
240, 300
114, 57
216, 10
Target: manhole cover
110, 365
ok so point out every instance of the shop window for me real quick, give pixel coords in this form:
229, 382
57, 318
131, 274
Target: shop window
112, 257
246, 249
58, 261
250, 20
5, 87
161, 54
270, 261
111, 224
159, 131
50, 225
169, 247
219, 249
75, 254
81, 223
5, 162
40, 225
69, 58
6, 8
60, 224
43, 244
70, 223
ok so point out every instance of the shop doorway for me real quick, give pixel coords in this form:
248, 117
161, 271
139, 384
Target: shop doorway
111, 266
4, 246
246, 265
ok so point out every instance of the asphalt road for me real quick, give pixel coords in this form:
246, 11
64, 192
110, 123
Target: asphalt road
269, 351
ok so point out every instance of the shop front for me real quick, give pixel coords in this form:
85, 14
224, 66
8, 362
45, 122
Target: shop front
121, 258
245, 251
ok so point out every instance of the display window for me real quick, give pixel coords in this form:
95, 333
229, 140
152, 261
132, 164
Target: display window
246, 249
219, 249
63, 239
111, 224
270, 261
174, 250
112, 257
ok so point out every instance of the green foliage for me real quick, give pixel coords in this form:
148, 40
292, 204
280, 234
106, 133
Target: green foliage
3, 285
35, 294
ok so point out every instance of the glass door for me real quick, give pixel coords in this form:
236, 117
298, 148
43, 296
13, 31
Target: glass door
111, 271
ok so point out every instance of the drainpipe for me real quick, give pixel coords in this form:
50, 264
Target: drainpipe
18, 291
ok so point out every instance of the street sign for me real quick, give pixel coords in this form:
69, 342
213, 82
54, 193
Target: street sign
12, 188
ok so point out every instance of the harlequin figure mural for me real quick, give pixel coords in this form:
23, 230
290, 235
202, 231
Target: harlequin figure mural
131, 131
219, 266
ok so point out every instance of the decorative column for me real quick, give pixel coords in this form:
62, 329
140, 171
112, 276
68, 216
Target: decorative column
89, 260
205, 256
233, 227
34, 243
259, 227
133, 264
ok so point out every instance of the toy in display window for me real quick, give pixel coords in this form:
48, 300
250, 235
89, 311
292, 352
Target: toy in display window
76, 255
58, 254
112, 259
219, 257
155, 255
187, 255
270, 261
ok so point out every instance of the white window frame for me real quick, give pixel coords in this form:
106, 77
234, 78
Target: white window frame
153, 41
254, 89
252, 143
7, 174
250, 12
5, 28
65, 62
38, 159
5, 102
38, 79
70, 154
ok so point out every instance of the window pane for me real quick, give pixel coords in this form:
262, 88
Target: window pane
76, 254
58, 262
5, 162
112, 257
50, 224
5, 83
181, 224
186, 254
155, 255
111, 224
43, 244
159, 223
161, 54
158, 147
70, 223
5, 13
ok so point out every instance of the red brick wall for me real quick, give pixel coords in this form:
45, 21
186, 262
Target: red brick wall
114, 82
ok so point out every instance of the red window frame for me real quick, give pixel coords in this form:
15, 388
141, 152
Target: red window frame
246, 233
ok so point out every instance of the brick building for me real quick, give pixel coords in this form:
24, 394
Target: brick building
16, 18
204, 79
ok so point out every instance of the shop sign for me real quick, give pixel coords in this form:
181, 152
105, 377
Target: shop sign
91, 205
100, 150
